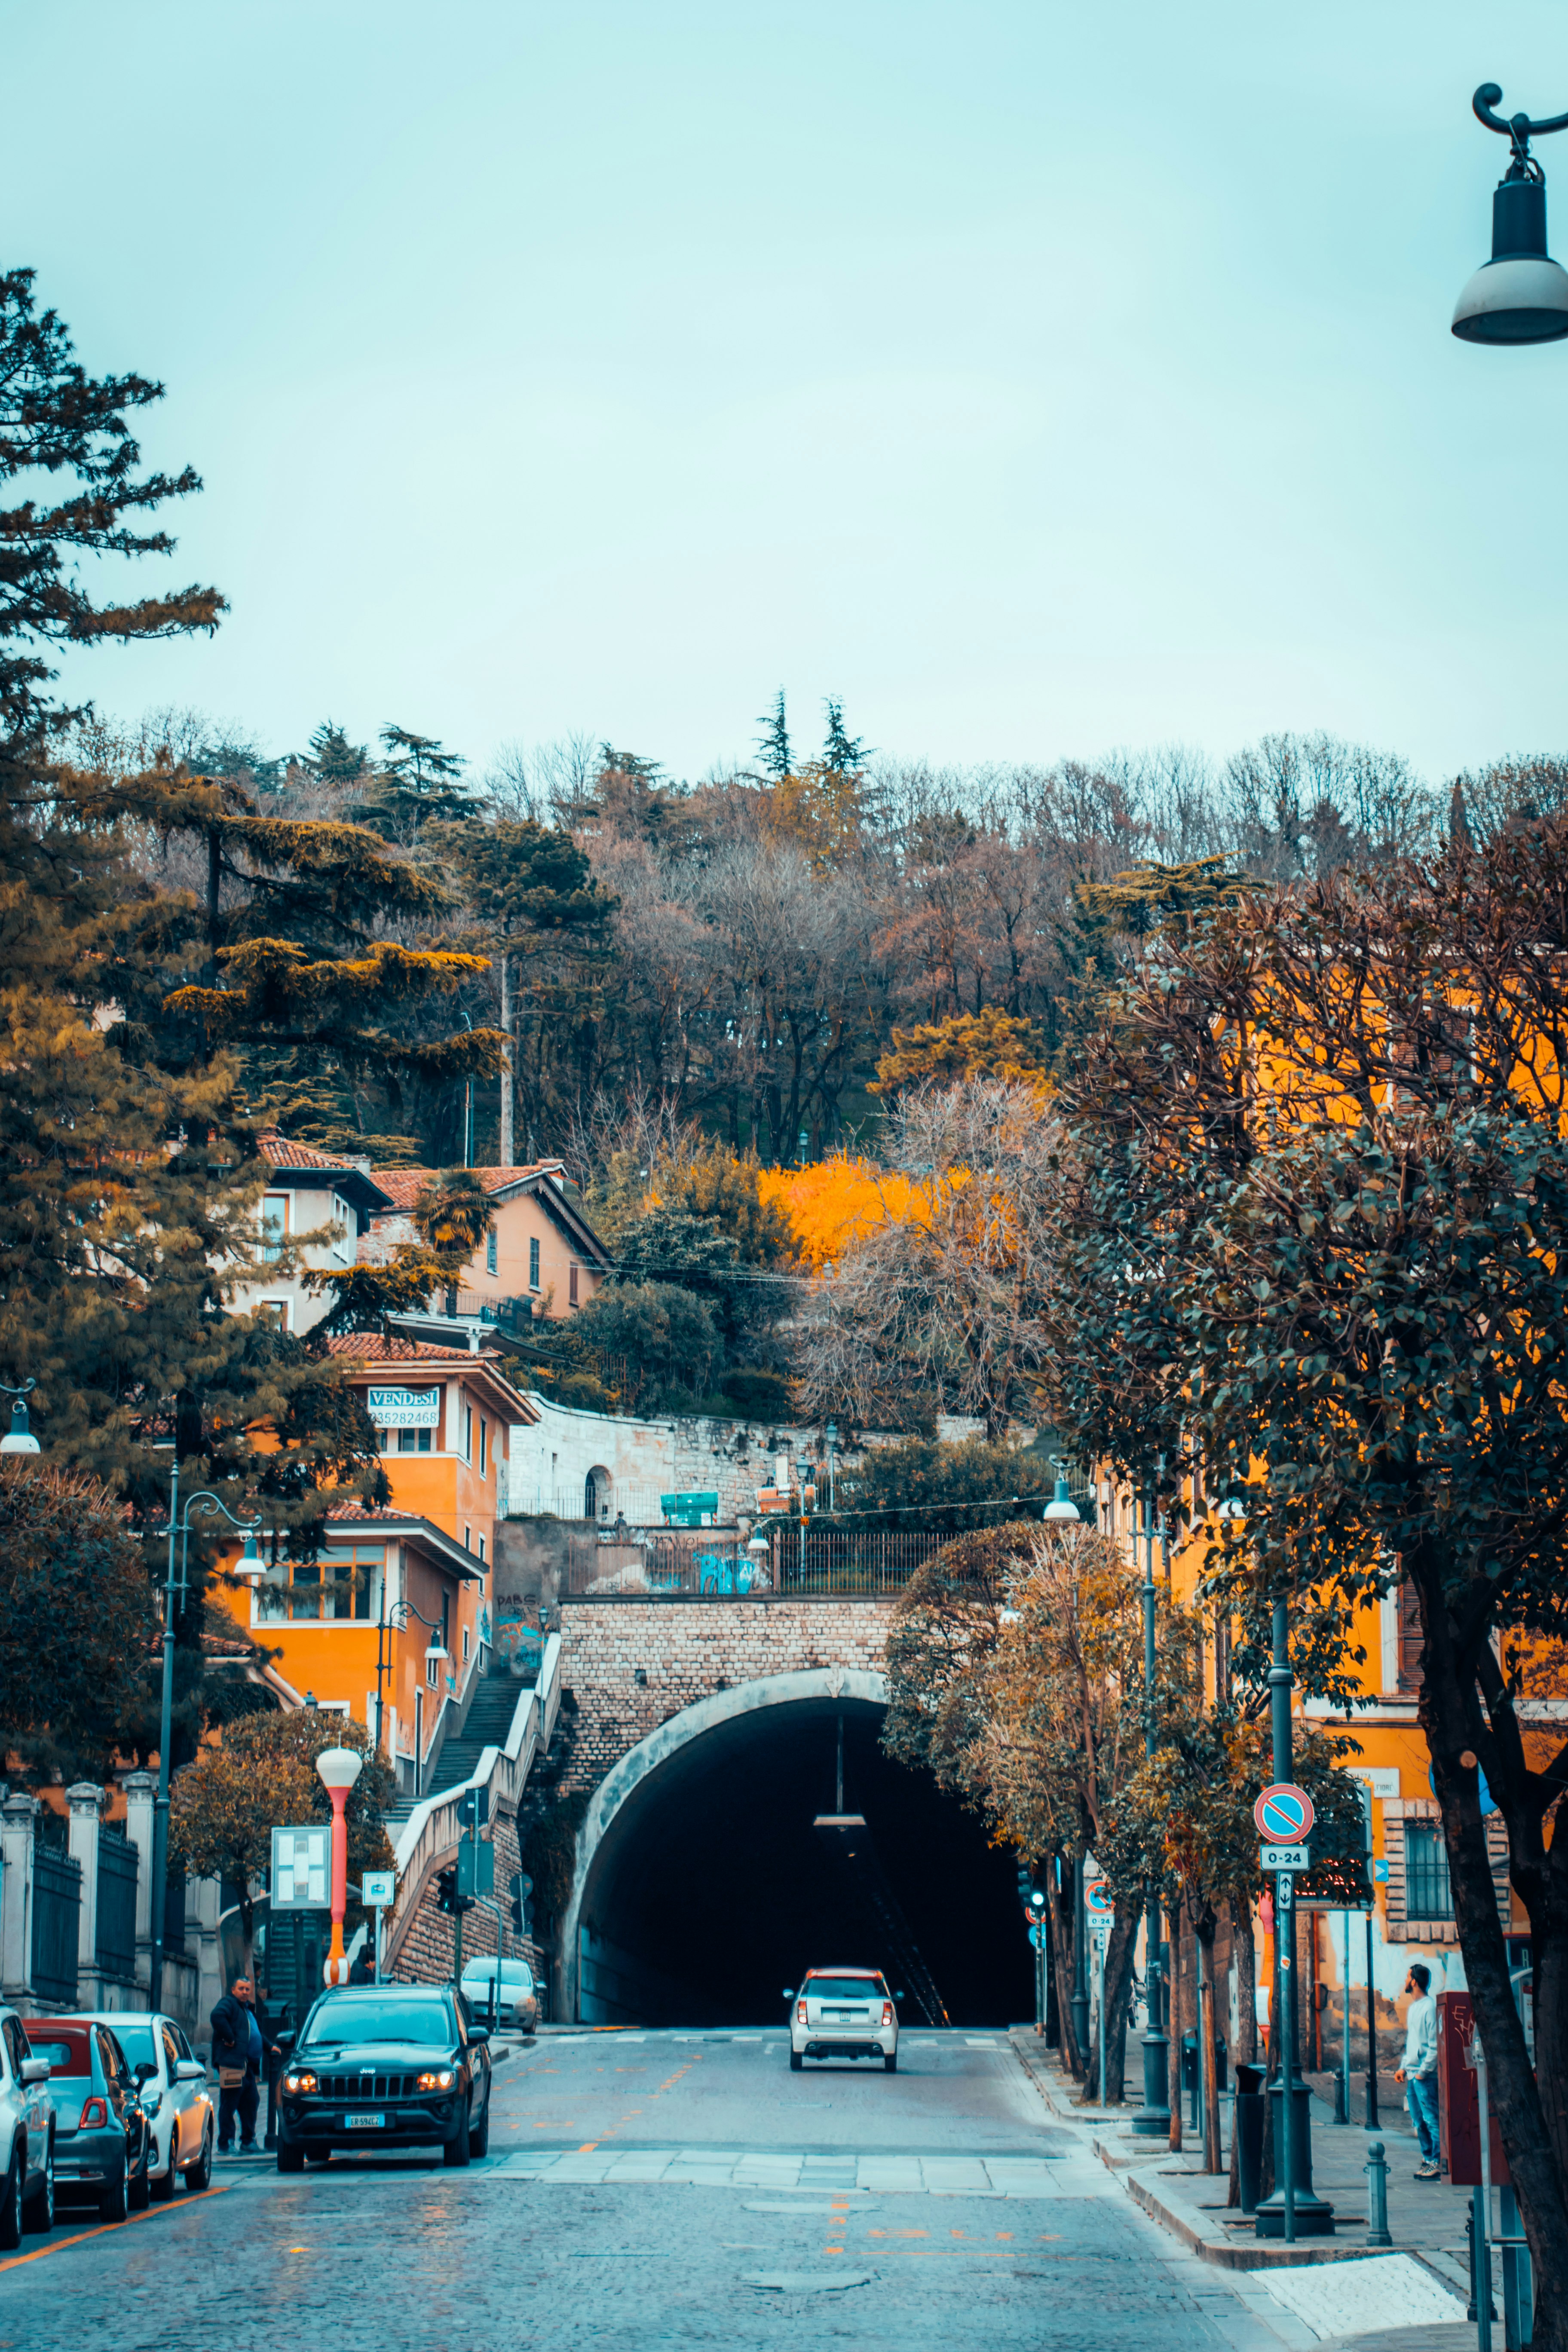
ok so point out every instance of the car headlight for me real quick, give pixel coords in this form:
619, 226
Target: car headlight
437, 2078
297, 2083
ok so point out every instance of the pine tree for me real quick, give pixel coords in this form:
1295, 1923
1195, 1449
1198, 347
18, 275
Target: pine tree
773, 745
417, 782
842, 754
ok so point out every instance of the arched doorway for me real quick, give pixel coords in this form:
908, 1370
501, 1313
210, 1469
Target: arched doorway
702, 1887
596, 1488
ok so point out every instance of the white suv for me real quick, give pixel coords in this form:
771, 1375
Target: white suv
26, 2135
173, 2085
843, 2013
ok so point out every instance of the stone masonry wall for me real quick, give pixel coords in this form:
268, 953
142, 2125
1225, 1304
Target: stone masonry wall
427, 1952
687, 1649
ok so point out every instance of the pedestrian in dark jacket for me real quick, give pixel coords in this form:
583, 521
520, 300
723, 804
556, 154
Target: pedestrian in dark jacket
236, 2054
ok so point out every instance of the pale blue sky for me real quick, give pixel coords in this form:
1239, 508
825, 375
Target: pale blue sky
1036, 378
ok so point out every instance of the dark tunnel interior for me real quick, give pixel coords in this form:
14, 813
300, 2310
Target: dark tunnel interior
712, 1881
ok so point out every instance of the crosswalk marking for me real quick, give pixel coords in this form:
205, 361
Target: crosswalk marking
784, 2169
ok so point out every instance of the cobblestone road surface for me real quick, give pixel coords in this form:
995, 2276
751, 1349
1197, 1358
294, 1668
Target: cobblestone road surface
658, 2189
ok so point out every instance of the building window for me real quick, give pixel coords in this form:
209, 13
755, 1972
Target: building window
1428, 1893
432, 1672
333, 1589
464, 1646
490, 1251
484, 1444
468, 1540
274, 1226
413, 1441
344, 1217
467, 1433
276, 1312
481, 1551
534, 1266
572, 1283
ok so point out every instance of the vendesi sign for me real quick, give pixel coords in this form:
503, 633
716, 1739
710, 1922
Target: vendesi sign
404, 1408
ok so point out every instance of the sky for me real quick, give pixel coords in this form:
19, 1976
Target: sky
1035, 379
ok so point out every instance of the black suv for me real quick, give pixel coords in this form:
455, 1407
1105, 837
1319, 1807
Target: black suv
385, 2066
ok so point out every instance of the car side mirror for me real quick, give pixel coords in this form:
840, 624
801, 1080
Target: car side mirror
479, 2034
35, 2070
789, 1992
145, 2072
189, 2070
897, 1996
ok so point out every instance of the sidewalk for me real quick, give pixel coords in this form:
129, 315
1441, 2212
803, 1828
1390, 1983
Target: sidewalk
1429, 2282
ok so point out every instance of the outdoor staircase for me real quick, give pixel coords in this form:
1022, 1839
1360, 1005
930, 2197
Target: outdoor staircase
490, 1720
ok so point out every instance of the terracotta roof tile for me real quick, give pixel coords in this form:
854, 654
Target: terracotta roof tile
405, 1184
378, 1347
284, 1153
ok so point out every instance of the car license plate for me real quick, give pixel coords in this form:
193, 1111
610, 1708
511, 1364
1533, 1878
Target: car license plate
364, 2123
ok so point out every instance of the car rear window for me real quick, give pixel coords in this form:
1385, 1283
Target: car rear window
65, 2047
135, 2038
516, 1973
845, 1989
372, 2017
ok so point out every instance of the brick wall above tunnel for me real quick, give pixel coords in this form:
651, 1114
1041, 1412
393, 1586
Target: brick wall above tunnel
687, 1649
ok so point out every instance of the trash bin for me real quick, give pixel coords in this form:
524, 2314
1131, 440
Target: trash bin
1248, 2128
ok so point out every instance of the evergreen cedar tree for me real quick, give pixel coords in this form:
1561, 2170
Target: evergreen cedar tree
134, 1012
1322, 1236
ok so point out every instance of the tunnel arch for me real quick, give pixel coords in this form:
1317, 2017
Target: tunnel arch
702, 1887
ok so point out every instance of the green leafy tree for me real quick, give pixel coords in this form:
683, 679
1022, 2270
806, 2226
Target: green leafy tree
76, 1626
665, 1341
261, 1776
934, 1483
1327, 1138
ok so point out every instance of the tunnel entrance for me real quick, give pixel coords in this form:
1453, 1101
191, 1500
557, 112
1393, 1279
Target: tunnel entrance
711, 1889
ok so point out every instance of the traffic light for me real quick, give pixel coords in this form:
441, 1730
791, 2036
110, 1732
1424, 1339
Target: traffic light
519, 1889
1031, 1896
446, 1890
474, 1808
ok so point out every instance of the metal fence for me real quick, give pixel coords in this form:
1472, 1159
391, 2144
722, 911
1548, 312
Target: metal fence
56, 1924
118, 1862
701, 1563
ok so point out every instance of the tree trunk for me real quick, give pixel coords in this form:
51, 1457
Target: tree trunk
1530, 2115
1062, 1967
1246, 2051
1207, 2037
1178, 2017
1118, 1956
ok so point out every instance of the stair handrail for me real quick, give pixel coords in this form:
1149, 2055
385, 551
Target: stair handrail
434, 1827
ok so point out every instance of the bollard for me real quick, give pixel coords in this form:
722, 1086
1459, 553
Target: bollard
1342, 2106
1376, 2171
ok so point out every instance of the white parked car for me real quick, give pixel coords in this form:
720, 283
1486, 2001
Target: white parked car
181, 2116
843, 2013
26, 2135
516, 2000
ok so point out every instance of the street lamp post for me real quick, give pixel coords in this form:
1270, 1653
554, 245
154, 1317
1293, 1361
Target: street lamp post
1292, 2210
176, 1585
339, 1769
832, 1462
1153, 2120
1520, 296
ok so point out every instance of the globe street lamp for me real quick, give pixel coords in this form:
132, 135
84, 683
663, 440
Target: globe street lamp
19, 1438
339, 1769
1520, 295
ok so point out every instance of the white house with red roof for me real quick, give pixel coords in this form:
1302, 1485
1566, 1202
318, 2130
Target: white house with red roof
314, 1193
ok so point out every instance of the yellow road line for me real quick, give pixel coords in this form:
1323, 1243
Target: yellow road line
153, 2213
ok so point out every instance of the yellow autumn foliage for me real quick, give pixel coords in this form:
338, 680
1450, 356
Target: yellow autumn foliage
833, 1203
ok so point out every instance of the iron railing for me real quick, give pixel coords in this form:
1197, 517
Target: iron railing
714, 1564
56, 1924
115, 1941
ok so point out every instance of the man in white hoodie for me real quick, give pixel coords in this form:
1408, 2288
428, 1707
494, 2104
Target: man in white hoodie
1419, 2072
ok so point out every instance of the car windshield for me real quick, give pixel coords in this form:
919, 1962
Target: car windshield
135, 2036
845, 1989
371, 2016
65, 2051
516, 1973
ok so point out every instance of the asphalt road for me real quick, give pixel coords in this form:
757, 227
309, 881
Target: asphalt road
653, 2189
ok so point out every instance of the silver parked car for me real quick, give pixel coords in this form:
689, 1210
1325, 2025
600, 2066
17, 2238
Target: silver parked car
843, 2013
26, 2135
180, 2109
516, 2000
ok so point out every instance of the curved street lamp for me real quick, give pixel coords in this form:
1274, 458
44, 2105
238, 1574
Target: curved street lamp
19, 1438
395, 1621
1520, 295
